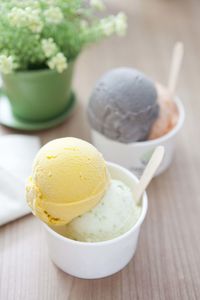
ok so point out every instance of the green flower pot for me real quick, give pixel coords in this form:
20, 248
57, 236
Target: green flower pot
39, 95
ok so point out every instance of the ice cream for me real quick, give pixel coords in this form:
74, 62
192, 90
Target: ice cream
123, 105
72, 191
69, 178
126, 106
114, 215
168, 115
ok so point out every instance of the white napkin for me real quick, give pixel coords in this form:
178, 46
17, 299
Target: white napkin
16, 156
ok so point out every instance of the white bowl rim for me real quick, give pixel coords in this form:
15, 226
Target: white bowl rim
159, 140
117, 239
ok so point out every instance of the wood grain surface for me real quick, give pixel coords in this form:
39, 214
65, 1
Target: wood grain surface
167, 262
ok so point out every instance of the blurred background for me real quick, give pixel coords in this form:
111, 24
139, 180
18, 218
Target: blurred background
153, 28
172, 226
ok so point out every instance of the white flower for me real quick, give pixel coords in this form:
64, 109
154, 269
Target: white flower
6, 64
120, 24
58, 62
53, 15
97, 4
17, 17
49, 47
114, 24
27, 17
34, 22
107, 25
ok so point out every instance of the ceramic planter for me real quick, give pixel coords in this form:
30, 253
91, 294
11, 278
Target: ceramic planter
38, 95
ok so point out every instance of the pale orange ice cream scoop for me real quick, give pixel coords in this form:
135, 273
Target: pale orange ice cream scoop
69, 178
168, 114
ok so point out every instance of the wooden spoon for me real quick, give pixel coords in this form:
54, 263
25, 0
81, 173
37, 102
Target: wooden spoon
149, 172
177, 58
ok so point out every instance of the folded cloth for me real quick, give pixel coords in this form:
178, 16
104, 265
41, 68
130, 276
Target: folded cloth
16, 156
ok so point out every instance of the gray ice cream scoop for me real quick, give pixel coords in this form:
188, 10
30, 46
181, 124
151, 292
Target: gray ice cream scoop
123, 105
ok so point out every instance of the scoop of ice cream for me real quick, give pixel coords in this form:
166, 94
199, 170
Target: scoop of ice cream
114, 215
69, 178
123, 105
168, 115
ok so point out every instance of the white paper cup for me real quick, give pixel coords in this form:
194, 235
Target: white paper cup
135, 156
99, 259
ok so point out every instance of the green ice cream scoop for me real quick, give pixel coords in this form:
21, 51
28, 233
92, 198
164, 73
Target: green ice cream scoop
115, 214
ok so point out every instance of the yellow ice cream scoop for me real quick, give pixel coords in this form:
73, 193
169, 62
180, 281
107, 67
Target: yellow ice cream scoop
69, 178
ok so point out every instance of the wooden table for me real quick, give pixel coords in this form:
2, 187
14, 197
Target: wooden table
167, 262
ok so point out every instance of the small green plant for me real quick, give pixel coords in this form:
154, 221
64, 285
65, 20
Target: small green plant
51, 33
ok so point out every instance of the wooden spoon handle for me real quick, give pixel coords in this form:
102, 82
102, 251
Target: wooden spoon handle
149, 172
177, 58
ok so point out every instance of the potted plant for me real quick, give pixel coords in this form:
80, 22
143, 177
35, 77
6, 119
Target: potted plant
39, 43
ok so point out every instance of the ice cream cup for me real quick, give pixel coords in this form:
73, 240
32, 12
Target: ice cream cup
135, 156
99, 259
